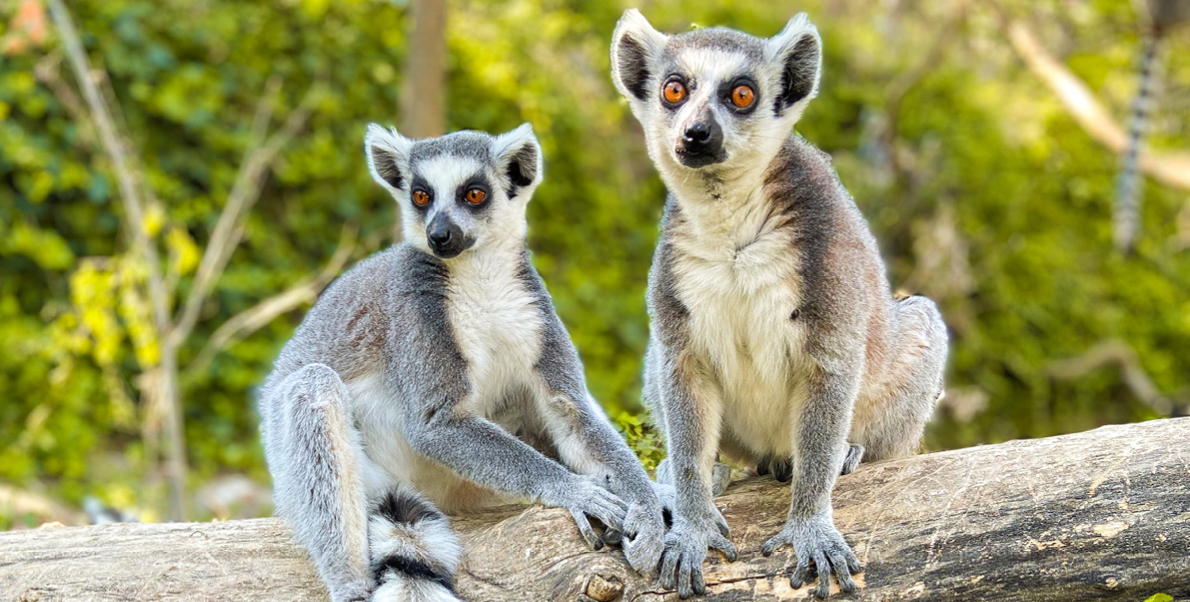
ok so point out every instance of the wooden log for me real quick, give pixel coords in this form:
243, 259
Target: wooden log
1101, 515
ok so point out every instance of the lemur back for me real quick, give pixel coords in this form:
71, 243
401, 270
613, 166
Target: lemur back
436, 374
774, 336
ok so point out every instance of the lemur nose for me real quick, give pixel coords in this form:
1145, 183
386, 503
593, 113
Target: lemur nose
699, 132
439, 236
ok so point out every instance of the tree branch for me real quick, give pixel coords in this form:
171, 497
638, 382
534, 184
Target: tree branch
114, 148
1171, 169
1117, 353
250, 181
259, 315
1099, 515
166, 387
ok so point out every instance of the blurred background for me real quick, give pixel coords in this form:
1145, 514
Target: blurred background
180, 178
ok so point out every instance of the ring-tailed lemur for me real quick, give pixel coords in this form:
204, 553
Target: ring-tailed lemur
437, 373
774, 336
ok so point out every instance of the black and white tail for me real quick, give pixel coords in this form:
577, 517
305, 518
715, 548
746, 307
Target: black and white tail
414, 552
1126, 216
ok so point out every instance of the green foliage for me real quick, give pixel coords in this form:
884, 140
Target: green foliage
1159, 598
989, 197
643, 438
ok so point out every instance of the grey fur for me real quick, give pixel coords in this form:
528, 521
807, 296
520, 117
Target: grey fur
419, 381
768, 297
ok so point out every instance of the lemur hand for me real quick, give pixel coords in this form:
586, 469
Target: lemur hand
584, 497
817, 540
686, 547
644, 530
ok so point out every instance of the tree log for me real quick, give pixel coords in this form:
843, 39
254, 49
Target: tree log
1102, 515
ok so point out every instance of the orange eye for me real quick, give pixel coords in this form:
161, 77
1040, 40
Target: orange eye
421, 198
475, 196
743, 96
675, 92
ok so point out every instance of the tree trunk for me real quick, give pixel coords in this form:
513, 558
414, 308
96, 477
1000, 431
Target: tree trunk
423, 97
1102, 515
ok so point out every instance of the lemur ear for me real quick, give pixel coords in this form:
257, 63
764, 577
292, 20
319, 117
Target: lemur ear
635, 45
388, 157
798, 50
518, 156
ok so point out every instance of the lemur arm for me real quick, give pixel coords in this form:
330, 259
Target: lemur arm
584, 437
586, 441
820, 438
693, 414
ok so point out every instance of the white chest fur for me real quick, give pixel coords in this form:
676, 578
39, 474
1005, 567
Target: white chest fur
496, 325
739, 282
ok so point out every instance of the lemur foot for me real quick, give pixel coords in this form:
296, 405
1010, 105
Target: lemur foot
685, 548
817, 540
584, 498
720, 479
855, 455
781, 468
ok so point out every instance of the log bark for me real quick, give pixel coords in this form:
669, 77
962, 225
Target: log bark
1101, 515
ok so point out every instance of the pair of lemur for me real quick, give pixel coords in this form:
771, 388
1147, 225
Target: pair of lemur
436, 374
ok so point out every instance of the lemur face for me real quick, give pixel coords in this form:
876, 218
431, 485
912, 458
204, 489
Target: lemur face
460, 192
714, 99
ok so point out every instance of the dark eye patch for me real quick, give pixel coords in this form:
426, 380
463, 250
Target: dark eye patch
725, 89
479, 181
420, 184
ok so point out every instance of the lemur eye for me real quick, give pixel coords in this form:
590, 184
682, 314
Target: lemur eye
675, 91
475, 196
421, 198
743, 96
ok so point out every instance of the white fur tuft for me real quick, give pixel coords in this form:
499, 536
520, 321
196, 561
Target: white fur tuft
636, 27
382, 144
798, 28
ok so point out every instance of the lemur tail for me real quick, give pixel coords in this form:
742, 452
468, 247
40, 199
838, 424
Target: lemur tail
1127, 210
414, 552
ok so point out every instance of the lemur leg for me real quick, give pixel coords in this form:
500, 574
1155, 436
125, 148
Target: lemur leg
314, 454
588, 444
819, 438
892, 426
693, 407
720, 476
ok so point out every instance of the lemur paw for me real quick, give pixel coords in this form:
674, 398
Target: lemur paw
583, 497
685, 548
781, 468
817, 540
855, 455
643, 537
720, 478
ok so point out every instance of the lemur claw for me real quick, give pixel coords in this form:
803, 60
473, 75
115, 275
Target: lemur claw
817, 540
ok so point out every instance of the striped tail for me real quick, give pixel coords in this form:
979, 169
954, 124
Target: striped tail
1126, 217
414, 552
